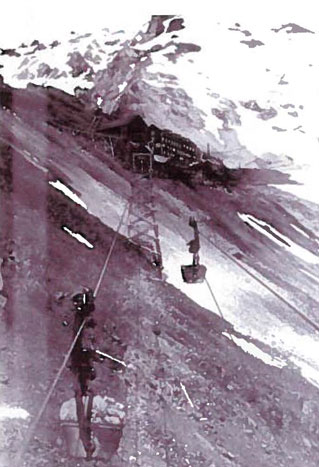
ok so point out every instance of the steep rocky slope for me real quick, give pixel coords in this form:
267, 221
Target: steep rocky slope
191, 395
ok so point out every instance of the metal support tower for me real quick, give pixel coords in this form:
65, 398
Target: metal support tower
141, 224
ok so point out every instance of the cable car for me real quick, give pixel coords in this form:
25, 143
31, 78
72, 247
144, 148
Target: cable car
194, 273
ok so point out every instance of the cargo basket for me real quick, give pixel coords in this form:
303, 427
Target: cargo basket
105, 436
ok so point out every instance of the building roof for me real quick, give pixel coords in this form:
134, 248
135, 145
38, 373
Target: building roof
119, 122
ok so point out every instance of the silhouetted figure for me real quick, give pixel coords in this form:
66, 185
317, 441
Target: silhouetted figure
195, 272
194, 245
82, 358
83, 354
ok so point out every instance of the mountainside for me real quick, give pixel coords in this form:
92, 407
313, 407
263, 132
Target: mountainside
192, 395
258, 224
161, 74
219, 373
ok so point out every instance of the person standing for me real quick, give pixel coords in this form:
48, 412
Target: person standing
194, 245
82, 357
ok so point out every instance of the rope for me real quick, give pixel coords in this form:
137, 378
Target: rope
217, 304
270, 289
214, 298
46, 400
67, 356
98, 285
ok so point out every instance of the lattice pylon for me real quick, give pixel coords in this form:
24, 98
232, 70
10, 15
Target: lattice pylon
142, 229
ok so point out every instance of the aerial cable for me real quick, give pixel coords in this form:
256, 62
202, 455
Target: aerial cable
46, 400
68, 354
98, 285
270, 289
217, 304
214, 298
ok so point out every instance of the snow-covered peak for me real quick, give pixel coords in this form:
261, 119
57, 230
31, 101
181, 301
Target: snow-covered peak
173, 81
63, 64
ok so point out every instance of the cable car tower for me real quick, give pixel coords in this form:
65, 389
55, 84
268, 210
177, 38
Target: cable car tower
142, 228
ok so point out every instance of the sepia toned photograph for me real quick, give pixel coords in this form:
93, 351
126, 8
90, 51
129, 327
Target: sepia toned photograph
159, 234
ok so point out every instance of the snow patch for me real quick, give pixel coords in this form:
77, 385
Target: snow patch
7, 412
78, 237
299, 230
252, 349
58, 185
278, 238
308, 372
315, 278
122, 86
34, 161
303, 350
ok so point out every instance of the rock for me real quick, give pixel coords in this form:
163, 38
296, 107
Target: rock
307, 442
4, 379
3, 301
104, 408
228, 455
59, 442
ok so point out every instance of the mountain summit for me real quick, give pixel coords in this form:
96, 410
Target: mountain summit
157, 73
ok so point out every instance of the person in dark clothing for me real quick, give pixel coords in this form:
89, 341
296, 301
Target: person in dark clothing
82, 357
84, 302
194, 245
83, 354
194, 273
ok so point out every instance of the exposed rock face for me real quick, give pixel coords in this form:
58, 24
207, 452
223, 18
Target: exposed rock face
293, 28
264, 114
252, 43
124, 73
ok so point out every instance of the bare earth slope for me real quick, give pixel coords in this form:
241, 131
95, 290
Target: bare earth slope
240, 411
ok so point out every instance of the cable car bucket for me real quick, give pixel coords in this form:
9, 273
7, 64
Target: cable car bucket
194, 273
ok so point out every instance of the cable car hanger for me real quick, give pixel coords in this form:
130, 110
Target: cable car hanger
194, 273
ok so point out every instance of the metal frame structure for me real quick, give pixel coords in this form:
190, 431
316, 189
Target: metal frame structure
142, 228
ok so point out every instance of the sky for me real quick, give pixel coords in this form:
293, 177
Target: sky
237, 72
26, 20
